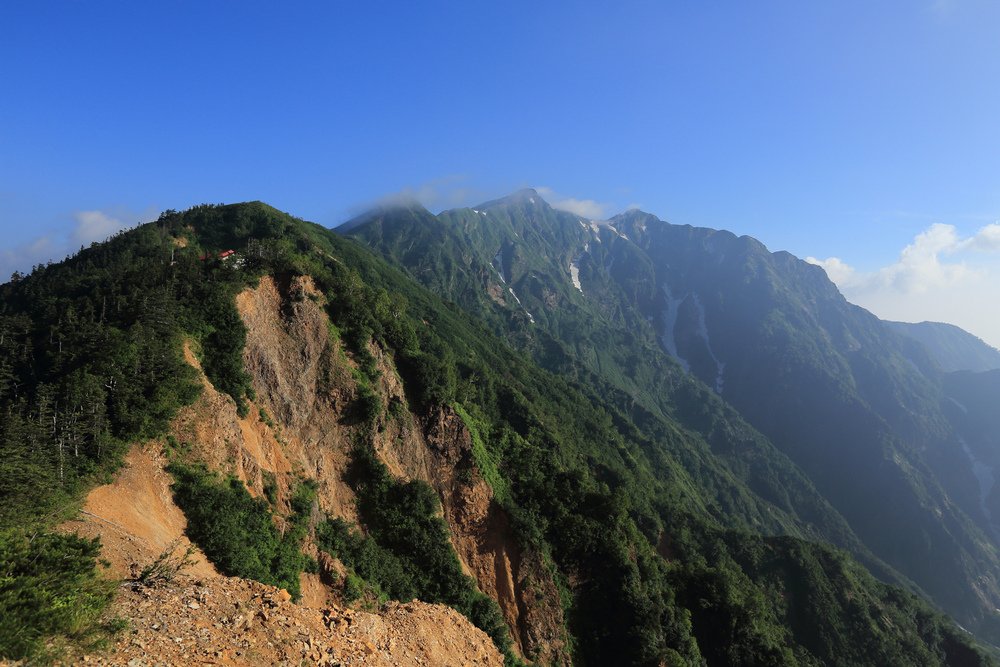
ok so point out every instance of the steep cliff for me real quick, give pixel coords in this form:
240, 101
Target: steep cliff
302, 378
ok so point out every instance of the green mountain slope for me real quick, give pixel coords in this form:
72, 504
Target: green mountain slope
660, 562
953, 349
619, 304
859, 409
494, 260
972, 400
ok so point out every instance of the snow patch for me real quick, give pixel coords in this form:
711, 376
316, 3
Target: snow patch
703, 332
574, 267
531, 199
610, 226
574, 274
530, 317
670, 342
594, 226
669, 322
961, 407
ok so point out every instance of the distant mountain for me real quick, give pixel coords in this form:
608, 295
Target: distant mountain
630, 304
497, 262
311, 418
953, 349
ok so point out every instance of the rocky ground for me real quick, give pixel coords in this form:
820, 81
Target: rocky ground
228, 621
202, 618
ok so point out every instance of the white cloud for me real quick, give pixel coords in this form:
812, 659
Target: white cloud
986, 239
87, 227
437, 194
95, 226
456, 191
921, 267
838, 270
939, 276
585, 208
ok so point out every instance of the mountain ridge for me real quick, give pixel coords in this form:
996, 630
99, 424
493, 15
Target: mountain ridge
953, 348
664, 536
645, 279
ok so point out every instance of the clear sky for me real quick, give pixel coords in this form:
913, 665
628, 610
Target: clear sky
848, 130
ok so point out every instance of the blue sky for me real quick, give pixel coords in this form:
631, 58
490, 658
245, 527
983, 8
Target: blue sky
840, 130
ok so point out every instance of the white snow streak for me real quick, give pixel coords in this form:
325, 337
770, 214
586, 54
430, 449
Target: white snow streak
703, 332
669, 322
574, 274
670, 342
530, 317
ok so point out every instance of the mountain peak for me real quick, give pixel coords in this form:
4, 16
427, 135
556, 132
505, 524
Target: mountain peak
523, 197
390, 205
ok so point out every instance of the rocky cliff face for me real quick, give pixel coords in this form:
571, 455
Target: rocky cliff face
298, 427
304, 380
436, 449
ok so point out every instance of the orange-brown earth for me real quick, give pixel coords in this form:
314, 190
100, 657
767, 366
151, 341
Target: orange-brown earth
228, 621
297, 427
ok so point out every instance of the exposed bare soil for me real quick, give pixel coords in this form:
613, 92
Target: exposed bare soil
227, 621
299, 426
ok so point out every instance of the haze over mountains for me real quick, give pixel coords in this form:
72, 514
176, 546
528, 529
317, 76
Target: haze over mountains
601, 442
954, 349
866, 413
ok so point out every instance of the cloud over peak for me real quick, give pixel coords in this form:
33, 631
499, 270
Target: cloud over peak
585, 208
94, 226
938, 276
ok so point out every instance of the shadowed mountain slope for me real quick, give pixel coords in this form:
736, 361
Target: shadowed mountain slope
715, 332
953, 349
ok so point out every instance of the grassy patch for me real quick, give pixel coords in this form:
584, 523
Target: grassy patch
487, 461
51, 595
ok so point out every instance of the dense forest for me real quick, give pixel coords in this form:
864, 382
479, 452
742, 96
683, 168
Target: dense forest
813, 403
665, 554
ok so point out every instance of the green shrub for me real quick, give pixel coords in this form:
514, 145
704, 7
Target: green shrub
235, 530
49, 588
354, 587
408, 553
369, 560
